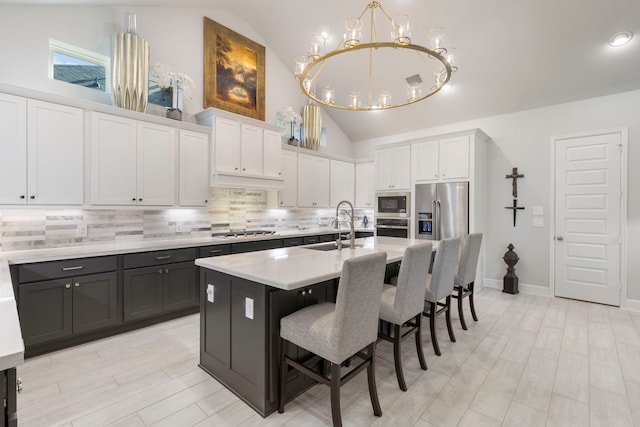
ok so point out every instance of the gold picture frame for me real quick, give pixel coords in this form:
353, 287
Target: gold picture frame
233, 71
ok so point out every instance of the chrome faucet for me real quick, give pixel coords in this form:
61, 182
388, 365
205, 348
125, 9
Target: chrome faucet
352, 241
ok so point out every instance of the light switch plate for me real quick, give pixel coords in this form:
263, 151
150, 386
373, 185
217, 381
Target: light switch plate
537, 210
248, 308
538, 221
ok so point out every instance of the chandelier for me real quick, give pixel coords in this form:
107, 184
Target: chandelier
373, 74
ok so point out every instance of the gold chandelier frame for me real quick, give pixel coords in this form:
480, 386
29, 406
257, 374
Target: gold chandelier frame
315, 64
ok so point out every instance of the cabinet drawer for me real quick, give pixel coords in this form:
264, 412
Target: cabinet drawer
308, 240
258, 245
292, 241
146, 259
215, 250
60, 269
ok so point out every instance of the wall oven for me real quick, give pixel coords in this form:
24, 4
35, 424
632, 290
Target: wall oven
393, 205
393, 227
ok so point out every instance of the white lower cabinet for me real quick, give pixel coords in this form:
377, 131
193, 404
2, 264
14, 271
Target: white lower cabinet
313, 181
132, 162
41, 155
193, 168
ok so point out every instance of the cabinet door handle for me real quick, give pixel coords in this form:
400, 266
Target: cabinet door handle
77, 284
166, 270
22, 196
163, 257
133, 200
32, 197
310, 291
75, 267
304, 293
160, 271
67, 285
215, 251
139, 200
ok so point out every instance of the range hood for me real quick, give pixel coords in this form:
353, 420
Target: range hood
236, 181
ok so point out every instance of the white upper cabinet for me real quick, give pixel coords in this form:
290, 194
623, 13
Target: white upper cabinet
251, 150
342, 182
445, 159
365, 192
272, 154
393, 168
228, 137
41, 152
132, 162
289, 194
313, 181
13, 150
193, 168
246, 150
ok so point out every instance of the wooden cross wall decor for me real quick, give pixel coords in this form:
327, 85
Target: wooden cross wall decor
514, 191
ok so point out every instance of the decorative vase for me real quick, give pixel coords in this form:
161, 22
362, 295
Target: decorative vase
130, 68
177, 93
312, 126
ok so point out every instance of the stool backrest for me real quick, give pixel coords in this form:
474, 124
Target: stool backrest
468, 262
444, 267
358, 303
412, 276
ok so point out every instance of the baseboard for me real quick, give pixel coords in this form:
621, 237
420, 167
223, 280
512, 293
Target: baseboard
522, 287
631, 304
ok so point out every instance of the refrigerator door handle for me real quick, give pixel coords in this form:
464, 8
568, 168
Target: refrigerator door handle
438, 225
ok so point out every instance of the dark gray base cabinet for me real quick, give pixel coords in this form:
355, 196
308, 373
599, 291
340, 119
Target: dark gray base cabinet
55, 309
150, 291
242, 352
9, 417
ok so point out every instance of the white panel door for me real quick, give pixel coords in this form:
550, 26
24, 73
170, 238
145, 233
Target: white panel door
587, 218
424, 156
272, 154
227, 145
252, 150
402, 168
55, 159
454, 158
342, 182
194, 168
113, 160
156, 164
13, 149
288, 195
364, 185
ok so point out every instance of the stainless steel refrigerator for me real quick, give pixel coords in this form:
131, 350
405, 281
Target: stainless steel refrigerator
441, 210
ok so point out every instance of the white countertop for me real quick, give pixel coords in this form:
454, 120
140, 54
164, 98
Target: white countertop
298, 266
11, 344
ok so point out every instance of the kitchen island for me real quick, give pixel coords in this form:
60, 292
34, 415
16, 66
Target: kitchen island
244, 296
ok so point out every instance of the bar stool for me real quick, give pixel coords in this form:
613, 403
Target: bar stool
440, 286
336, 332
466, 275
403, 304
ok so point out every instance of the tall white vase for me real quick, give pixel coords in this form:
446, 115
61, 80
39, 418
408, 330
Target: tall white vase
130, 68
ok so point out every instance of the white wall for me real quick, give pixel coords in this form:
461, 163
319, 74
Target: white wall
522, 140
175, 37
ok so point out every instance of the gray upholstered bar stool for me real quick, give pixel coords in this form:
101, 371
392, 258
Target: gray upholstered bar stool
403, 304
466, 275
336, 332
440, 286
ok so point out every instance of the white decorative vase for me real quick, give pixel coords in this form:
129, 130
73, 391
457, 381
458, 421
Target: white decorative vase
130, 68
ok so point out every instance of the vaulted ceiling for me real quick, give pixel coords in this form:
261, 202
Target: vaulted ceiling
512, 54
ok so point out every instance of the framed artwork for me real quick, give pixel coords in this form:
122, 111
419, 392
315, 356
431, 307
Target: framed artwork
233, 71
158, 95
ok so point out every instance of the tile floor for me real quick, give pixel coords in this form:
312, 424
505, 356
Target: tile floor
529, 361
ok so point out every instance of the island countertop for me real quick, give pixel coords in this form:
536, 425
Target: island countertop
295, 267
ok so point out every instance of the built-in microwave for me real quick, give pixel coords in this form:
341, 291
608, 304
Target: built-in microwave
393, 205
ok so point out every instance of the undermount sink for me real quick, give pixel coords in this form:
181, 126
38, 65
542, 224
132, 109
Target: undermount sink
332, 246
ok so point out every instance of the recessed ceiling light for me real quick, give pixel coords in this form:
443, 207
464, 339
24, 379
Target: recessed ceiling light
621, 38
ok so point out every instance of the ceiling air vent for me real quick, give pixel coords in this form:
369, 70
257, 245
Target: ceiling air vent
414, 80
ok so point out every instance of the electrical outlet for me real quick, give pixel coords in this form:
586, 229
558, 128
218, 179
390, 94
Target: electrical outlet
81, 230
538, 221
537, 210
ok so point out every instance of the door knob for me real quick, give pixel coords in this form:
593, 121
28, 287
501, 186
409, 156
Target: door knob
560, 238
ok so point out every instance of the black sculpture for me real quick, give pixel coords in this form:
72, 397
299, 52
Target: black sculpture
510, 280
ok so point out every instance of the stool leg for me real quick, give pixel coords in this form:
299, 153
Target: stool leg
448, 317
397, 357
371, 379
473, 307
335, 394
282, 378
460, 310
423, 363
432, 324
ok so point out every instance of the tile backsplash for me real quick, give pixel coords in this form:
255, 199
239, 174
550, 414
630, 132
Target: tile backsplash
229, 209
